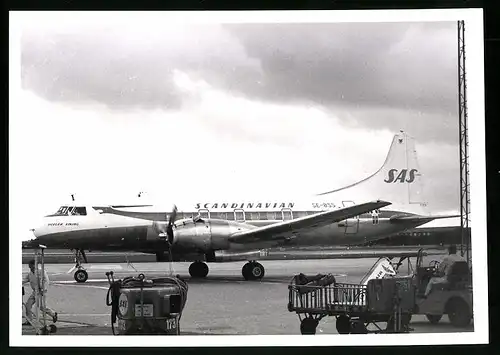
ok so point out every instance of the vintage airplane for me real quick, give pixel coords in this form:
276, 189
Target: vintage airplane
209, 231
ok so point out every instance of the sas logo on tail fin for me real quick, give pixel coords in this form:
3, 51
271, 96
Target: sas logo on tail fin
401, 176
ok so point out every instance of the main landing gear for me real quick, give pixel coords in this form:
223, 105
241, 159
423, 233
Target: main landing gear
250, 271
198, 269
80, 274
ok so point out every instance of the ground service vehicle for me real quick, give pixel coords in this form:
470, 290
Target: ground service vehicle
146, 306
375, 299
453, 297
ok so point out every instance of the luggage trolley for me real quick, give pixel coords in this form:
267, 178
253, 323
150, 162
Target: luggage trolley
355, 306
39, 321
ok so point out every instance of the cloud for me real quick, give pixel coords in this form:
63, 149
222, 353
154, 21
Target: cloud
382, 74
399, 65
124, 66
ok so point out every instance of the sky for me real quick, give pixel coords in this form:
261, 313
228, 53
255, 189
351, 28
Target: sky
107, 108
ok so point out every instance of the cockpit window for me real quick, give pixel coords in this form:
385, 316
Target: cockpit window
79, 211
63, 211
71, 211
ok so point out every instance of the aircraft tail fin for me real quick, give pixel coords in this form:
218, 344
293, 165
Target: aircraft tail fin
399, 180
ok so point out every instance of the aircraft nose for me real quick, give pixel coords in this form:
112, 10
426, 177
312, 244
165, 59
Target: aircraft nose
38, 229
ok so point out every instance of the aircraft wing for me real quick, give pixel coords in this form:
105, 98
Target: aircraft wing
285, 229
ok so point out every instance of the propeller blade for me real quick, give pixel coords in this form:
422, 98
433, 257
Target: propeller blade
171, 220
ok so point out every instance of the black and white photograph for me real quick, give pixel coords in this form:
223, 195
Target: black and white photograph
307, 175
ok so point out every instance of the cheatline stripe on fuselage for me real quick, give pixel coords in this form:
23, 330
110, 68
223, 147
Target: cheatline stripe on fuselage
277, 215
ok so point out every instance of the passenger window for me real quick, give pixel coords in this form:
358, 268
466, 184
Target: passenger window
263, 216
278, 216
230, 216
214, 215
239, 215
248, 216
287, 214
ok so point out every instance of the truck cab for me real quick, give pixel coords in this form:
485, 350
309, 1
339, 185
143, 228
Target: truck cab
452, 295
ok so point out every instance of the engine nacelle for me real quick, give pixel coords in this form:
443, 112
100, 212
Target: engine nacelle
244, 256
205, 235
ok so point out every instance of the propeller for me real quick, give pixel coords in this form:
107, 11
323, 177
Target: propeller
171, 220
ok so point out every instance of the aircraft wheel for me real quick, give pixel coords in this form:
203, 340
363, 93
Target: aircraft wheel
358, 327
198, 269
44, 331
253, 271
245, 270
308, 326
52, 328
343, 325
434, 318
458, 313
81, 276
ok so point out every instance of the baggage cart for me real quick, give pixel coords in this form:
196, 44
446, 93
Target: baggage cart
355, 306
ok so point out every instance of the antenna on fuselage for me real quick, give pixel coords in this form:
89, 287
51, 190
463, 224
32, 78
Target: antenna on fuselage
72, 197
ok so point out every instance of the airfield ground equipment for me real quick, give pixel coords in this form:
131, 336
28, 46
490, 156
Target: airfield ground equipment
146, 306
452, 297
38, 321
375, 299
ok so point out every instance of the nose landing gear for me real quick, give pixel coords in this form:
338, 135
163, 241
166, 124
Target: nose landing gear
80, 274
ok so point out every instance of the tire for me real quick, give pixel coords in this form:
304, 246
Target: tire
198, 270
81, 276
358, 327
245, 271
458, 312
308, 326
343, 325
257, 271
406, 319
253, 271
434, 318
52, 329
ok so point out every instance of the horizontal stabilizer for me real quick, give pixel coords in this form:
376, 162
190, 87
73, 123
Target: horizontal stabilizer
287, 228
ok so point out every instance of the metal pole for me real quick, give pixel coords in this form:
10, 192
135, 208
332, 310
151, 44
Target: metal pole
42, 300
37, 292
464, 144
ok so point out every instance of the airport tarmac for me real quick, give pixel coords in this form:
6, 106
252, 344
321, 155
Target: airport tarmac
221, 304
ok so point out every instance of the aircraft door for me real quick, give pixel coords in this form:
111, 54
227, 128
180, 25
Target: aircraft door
287, 214
239, 215
351, 224
204, 213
